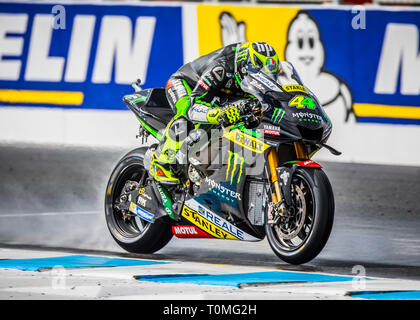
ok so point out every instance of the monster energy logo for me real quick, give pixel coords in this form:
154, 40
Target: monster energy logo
278, 112
233, 165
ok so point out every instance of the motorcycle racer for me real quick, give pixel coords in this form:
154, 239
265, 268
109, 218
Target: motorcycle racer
193, 93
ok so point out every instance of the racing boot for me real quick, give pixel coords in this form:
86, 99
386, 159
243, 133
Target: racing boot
173, 139
162, 172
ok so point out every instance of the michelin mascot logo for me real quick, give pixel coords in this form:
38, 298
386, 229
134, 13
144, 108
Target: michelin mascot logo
306, 52
232, 31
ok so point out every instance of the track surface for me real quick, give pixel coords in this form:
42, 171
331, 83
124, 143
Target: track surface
52, 198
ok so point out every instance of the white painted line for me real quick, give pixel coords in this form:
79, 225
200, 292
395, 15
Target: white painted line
47, 214
175, 296
66, 291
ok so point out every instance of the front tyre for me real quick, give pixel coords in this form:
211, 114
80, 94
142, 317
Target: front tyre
131, 232
299, 236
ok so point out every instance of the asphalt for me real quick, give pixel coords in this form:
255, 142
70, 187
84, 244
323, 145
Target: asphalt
51, 198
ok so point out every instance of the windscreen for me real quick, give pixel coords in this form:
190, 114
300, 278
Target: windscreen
287, 75
258, 85
268, 80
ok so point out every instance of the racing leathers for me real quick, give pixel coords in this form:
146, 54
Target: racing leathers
193, 93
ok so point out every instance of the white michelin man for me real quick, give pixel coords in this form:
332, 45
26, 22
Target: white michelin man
306, 52
232, 31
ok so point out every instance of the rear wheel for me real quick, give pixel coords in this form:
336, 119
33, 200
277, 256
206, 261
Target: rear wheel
301, 233
129, 231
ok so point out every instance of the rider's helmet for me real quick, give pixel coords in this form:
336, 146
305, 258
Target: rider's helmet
254, 56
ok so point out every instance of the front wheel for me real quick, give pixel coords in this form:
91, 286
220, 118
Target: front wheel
300, 234
131, 232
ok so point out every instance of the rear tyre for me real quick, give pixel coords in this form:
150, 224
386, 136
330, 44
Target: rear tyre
301, 237
133, 234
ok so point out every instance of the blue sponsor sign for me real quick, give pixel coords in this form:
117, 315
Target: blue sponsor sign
367, 60
85, 56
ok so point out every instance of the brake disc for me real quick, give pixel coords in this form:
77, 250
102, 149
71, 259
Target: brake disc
289, 232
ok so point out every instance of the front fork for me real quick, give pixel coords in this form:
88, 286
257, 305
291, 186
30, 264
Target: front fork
273, 164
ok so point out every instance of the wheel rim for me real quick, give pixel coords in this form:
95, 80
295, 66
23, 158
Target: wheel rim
132, 227
292, 232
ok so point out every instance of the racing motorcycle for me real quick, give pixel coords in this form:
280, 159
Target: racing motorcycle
245, 181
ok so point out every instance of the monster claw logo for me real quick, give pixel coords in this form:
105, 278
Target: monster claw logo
278, 114
236, 159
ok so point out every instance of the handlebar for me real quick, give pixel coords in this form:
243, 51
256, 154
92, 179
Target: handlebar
250, 113
247, 107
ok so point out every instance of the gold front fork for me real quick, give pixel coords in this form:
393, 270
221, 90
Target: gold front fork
273, 163
300, 149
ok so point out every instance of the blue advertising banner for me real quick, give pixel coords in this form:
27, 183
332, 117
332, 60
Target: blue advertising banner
85, 56
363, 64
376, 52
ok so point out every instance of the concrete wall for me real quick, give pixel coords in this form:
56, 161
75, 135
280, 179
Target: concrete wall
63, 84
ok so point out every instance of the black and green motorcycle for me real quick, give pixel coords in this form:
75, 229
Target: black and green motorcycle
243, 182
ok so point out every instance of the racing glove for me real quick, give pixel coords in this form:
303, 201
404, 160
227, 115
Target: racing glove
214, 116
230, 115
225, 116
